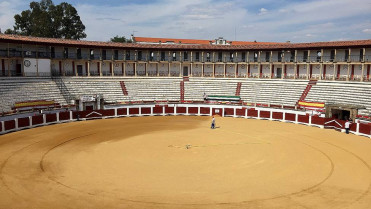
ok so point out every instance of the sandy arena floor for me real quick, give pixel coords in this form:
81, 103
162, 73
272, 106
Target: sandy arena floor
143, 163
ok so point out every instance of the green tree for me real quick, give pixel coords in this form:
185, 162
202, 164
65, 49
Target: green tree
44, 19
120, 39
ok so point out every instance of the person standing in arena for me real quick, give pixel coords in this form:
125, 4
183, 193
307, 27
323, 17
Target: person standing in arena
213, 123
347, 125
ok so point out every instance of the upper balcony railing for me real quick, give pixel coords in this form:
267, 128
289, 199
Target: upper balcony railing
213, 58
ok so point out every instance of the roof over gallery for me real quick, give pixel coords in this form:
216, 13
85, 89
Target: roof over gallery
151, 40
238, 46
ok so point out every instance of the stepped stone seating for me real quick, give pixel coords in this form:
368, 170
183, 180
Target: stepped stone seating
196, 87
139, 89
25, 89
272, 92
153, 89
342, 93
110, 88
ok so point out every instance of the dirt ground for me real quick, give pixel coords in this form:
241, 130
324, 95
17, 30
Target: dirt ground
143, 162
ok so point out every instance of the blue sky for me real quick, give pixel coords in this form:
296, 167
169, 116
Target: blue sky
245, 20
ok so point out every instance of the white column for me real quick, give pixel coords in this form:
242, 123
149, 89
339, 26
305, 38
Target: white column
271, 115
258, 114
186, 110
57, 117
163, 111
283, 116
152, 110
234, 112
128, 111
174, 109
30, 121
357, 130
310, 120
211, 111
296, 118
44, 118
71, 115
334, 75
223, 112
246, 113
363, 71
2, 126
16, 123
198, 109
115, 112
140, 111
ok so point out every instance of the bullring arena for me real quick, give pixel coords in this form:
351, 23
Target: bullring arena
88, 124
142, 162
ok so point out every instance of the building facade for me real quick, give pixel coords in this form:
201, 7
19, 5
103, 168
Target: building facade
31, 56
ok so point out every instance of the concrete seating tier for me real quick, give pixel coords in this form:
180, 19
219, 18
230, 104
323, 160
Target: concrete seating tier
275, 92
139, 89
342, 93
14, 90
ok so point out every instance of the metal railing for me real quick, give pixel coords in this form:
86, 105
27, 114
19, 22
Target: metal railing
63, 89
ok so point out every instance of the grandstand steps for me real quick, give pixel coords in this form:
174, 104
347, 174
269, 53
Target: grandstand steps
238, 89
123, 87
307, 89
182, 91
14, 90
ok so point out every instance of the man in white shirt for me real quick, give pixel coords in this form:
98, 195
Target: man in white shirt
347, 125
213, 123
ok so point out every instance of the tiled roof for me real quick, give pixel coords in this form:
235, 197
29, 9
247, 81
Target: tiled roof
175, 41
253, 46
192, 41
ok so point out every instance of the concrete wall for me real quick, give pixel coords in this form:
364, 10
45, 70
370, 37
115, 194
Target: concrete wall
163, 68
208, 69
129, 68
196, 69
219, 69
151, 68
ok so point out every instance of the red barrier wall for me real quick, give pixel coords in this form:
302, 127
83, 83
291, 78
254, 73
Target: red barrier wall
317, 120
146, 110
157, 110
9, 125
364, 128
38, 119
331, 123
353, 127
64, 116
265, 114
303, 118
240, 112
23, 122
181, 110
122, 111
133, 111
51, 118
193, 110
228, 111
252, 113
290, 117
204, 110
110, 112
277, 115
169, 110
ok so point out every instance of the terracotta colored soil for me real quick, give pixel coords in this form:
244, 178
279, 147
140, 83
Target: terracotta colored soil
144, 163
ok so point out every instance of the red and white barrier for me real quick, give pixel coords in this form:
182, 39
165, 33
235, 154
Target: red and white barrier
138, 110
